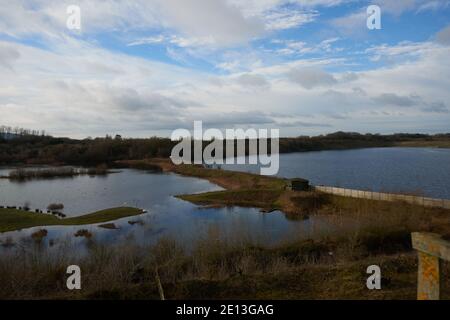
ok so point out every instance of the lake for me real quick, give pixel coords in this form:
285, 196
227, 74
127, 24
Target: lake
422, 171
414, 170
167, 216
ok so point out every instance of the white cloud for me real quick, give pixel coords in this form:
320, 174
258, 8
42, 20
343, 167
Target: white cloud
433, 5
293, 47
443, 36
8, 55
311, 77
75, 88
436, 107
148, 40
217, 20
403, 50
354, 23
351, 24
396, 7
252, 80
287, 18
396, 100
211, 19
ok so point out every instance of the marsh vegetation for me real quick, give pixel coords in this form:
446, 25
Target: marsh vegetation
328, 265
23, 174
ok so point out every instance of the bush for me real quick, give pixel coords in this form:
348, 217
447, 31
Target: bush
55, 206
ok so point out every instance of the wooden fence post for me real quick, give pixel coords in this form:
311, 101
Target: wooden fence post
428, 287
431, 249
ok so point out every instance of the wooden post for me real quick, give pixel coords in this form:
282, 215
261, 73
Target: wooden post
159, 284
429, 278
431, 249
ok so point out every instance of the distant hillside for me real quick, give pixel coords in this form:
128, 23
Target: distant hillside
7, 135
42, 149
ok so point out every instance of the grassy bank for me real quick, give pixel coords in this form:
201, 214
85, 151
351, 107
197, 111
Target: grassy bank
243, 198
12, 219
227, 179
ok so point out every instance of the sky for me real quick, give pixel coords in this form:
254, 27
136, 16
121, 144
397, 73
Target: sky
147, 67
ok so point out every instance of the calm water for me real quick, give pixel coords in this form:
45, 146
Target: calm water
167, 215
419, 170
383, 169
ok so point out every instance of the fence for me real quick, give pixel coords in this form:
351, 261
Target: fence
423, 201
431, 250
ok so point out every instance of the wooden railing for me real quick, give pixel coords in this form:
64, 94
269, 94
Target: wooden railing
432, 249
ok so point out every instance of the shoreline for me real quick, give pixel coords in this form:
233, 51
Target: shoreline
15, 220
252, 190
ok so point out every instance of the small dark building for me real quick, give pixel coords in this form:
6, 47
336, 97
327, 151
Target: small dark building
298, 184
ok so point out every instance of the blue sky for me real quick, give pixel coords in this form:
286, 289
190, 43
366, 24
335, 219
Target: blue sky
143, 68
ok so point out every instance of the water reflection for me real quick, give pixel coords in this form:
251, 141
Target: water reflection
166, 216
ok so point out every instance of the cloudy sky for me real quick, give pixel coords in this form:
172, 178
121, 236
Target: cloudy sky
147, 67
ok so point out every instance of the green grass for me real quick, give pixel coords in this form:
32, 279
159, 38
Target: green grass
243, 198
12, 219
231, 179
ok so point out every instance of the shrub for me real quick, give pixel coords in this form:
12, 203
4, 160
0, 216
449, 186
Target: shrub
55, 206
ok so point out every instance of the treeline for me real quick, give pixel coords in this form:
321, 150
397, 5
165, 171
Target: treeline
59, 172
350, 140
42, 149
87, 152
14, 132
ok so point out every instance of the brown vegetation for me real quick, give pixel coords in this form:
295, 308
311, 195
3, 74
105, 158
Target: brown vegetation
55, 206
48, 173
83, 233
328, 266
39, 235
